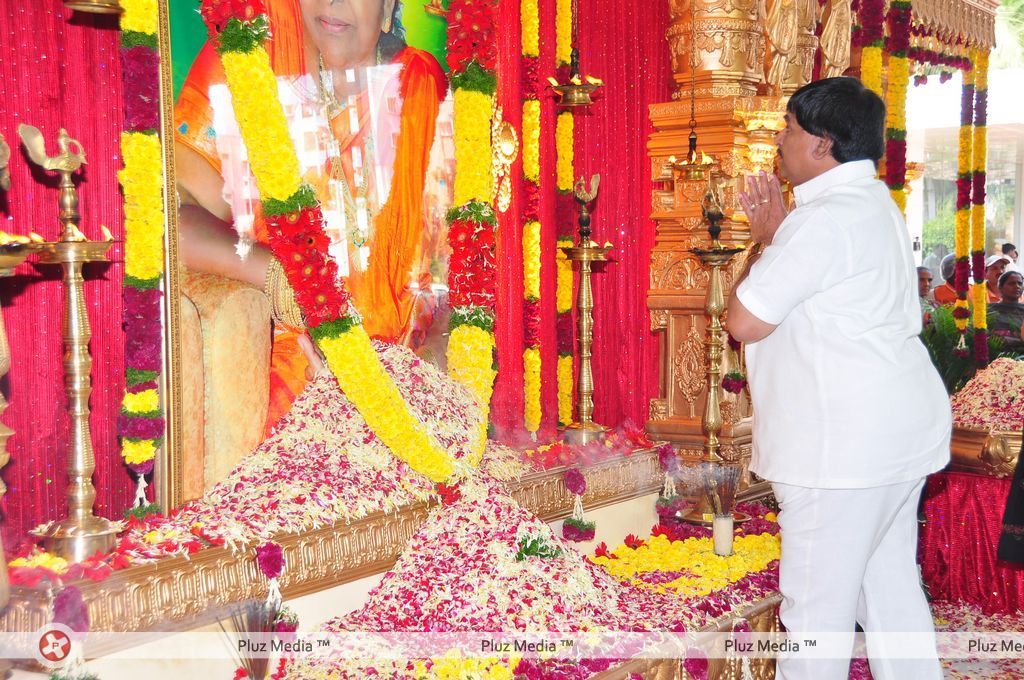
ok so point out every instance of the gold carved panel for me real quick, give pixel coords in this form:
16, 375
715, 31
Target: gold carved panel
689, 366
729, 44
672, 270
659, 319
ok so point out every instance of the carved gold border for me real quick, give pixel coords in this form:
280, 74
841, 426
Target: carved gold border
169, 474
982, 452
177, 593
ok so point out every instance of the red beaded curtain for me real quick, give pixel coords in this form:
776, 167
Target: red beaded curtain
622, 42
59, 70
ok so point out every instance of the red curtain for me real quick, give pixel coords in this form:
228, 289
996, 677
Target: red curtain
963, 518
623, 43
59, 70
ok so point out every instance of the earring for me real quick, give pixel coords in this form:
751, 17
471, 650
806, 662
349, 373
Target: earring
386, 28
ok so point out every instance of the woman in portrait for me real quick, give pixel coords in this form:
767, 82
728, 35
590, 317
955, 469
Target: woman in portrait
362, 107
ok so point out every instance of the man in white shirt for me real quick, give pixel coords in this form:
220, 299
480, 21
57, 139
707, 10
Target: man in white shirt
849, 413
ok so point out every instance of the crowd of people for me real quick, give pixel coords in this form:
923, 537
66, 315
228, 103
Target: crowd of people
1004, 283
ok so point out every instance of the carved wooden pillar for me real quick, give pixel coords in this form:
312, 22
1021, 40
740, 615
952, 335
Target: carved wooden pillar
730, 37
730, 49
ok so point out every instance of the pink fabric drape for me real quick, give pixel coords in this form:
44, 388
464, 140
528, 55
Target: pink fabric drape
507, 402
964, 514
60, 70
623, 43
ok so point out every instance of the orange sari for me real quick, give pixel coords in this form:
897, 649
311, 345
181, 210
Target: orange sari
381, 293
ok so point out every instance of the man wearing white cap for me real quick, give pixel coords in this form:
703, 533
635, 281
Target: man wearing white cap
995, 265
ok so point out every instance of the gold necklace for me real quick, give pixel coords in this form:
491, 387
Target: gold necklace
356, 208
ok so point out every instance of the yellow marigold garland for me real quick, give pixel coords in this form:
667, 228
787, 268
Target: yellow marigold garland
695, 556
142, 402
140, 423
530, 23
563, 277
142, 184
564, 148
355, 363
871, 69
472, 267
137, 452
473, 113
979, 155
139, 16
565, 384
343, 340
896, 129
470, 352
262, 123
531, 260
531, 139
531, 388
963, 205
563, 32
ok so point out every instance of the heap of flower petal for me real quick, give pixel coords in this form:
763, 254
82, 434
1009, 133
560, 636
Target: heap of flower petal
322, 465
460, 574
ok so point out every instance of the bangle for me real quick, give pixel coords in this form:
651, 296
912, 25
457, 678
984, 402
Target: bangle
283, 307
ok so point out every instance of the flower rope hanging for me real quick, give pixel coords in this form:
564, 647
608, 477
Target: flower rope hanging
141, 422
530, 65
872, 38
897, 45
472, 224
964, 178
576, 528
979, 148
297, 238
564, 212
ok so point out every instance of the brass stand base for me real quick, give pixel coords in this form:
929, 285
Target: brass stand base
695, 516
75, 541
584, 433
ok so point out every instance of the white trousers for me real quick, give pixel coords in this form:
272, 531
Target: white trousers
850, 556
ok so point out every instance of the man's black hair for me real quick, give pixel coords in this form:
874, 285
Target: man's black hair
1008, 248
846, 112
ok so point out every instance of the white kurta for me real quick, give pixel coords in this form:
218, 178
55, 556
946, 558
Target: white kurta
849, 417
843, 391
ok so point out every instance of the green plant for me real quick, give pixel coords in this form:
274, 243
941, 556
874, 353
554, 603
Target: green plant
536, 546
941, 337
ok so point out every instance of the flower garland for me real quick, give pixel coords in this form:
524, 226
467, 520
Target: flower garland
472, 224
896, 102
530, 65
576, 528
141, 423
872, 36
964, 179
928, 48
563, 32
698, 571
298, 240
565, 376
564, 148
979, 144
564, 335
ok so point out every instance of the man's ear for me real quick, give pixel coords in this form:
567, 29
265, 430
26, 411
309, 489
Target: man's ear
822, 148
